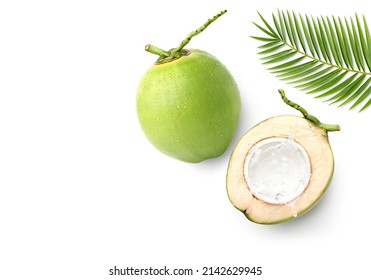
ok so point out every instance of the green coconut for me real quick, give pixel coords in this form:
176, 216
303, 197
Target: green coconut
188, 103
281, 167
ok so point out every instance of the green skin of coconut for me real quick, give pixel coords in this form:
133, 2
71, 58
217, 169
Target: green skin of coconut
189, 107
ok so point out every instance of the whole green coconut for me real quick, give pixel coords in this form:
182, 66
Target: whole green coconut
188, 103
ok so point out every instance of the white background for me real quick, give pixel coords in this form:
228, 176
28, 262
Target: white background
81, 188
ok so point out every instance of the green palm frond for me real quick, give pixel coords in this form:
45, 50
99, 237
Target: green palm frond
326, 56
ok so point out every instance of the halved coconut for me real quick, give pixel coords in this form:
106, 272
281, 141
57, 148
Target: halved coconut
279, 169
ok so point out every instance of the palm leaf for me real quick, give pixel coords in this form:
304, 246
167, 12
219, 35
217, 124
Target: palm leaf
326, 56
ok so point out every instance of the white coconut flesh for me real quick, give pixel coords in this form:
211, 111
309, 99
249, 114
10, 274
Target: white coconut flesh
279, 169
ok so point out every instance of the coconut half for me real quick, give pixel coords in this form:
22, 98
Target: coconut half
280, 169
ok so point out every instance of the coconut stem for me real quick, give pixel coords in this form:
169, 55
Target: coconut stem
178, 52
198, 31
313, 119
156, 50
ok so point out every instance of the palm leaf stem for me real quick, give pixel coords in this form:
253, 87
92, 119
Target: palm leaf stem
350, 70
